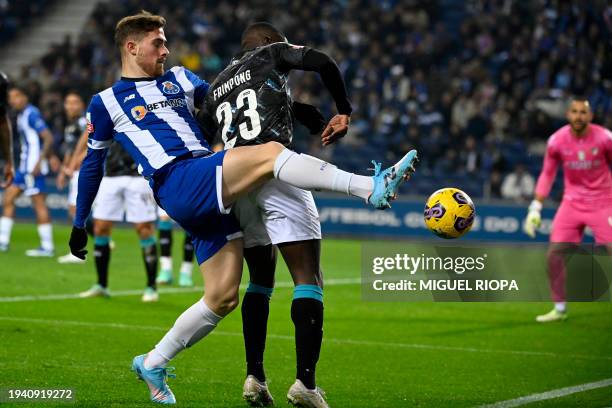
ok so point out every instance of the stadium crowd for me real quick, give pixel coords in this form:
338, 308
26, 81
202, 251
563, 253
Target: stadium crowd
477, 86
15, 15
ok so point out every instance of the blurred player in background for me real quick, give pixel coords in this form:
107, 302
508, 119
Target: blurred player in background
276, 213
165, 277
36, 140
123, 194
76, 124
6, 135
584, 151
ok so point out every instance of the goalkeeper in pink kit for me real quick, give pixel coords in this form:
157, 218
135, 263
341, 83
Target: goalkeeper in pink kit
584, 151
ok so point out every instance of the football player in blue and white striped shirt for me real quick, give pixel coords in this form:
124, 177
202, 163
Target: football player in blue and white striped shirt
151, 113
36, 141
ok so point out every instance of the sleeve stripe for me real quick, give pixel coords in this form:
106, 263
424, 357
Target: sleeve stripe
99, 144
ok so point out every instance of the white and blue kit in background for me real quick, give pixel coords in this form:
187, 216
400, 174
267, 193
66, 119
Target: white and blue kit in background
30, 124
153, 120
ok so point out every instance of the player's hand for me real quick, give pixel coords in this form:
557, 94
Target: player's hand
534, 218
8, 175
78, 242
36, 170
308, 116
335, 129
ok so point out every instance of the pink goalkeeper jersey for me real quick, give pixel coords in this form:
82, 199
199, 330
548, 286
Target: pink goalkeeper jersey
586, 165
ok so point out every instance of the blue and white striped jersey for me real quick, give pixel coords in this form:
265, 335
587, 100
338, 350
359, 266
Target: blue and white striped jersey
30, 124
153, 119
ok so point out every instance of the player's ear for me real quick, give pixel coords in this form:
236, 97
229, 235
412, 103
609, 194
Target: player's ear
131, 47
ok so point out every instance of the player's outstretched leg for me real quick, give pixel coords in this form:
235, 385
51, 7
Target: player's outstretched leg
245, 168
222, 273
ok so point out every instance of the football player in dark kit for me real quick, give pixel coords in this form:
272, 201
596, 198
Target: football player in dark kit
6, 135
249, 103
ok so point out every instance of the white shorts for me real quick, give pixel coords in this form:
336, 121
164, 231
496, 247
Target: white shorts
73, 189
161, 213
128, 196
276, 213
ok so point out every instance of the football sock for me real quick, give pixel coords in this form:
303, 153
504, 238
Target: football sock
187, 266
255, 310
102, 258
149, 256
560, 307
45, 232
307, 316
6, 226
190, 327
165, 243
310, 173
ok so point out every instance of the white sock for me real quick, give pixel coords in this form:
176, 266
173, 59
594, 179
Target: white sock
187, 268
6, 226
192, 326
45, 232
560, 307
165, 262
310, 173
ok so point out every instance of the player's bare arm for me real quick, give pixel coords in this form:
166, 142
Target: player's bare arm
47, 138
6, 145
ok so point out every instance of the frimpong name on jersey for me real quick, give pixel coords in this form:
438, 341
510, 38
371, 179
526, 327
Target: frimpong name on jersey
227, 86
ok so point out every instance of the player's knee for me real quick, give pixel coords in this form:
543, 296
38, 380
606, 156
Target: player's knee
272, 149
223, 305
144, 230
101, 228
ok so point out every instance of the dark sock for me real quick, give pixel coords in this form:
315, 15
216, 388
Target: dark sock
307, 316
187, 249
102, 258
255, 310
165, 242
149, 256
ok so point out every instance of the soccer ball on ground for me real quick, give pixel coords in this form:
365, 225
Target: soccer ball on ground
449, 213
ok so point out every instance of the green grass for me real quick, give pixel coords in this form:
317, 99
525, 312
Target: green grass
374, 354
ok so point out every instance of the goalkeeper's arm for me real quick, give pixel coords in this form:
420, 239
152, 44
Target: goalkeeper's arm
543, 186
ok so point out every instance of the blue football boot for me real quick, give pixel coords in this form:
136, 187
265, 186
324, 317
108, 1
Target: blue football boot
387, 182
155, 379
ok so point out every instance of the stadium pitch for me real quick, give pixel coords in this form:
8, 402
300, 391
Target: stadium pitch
374, 354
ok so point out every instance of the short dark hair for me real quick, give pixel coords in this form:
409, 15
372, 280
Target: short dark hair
136, 26
73, 92
258, 30
21, 88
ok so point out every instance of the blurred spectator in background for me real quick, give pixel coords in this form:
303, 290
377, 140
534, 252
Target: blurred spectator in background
518, 185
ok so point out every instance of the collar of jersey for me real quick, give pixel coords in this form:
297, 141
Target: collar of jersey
138, 79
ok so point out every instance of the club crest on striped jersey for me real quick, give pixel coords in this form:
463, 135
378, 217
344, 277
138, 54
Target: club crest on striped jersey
139, 112
170, 88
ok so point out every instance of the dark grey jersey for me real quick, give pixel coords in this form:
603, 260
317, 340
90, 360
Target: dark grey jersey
72, 133
119, 162
249, 102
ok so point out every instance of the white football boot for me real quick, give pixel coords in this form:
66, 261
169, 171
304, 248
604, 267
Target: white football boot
552, 316
300, 396
256, 393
